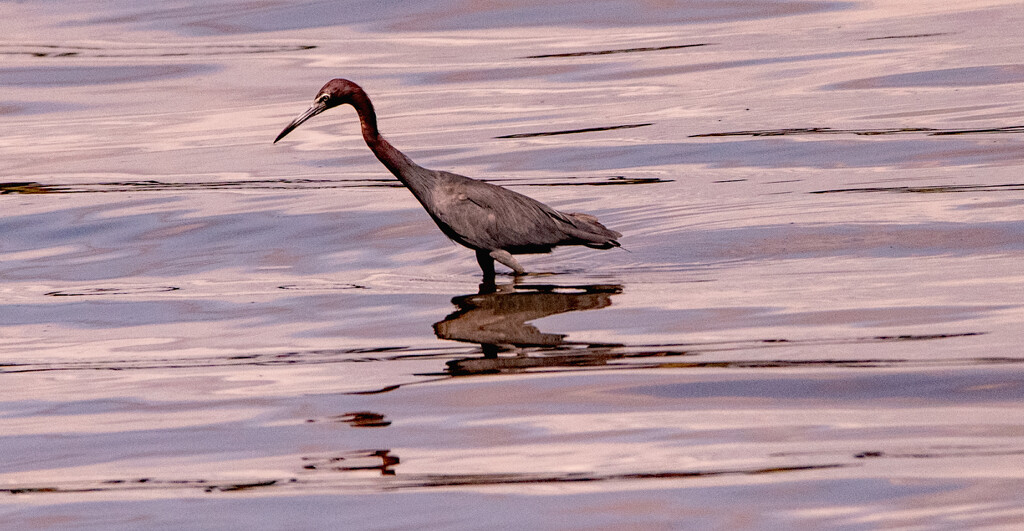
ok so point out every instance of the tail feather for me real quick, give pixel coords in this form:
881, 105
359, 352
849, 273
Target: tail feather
591, 231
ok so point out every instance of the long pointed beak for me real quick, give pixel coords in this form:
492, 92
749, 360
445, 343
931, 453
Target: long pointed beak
313, 110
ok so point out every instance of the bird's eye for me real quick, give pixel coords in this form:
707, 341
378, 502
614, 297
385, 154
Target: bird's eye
323, 98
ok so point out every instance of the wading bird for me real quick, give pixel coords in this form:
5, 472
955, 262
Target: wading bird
493, 221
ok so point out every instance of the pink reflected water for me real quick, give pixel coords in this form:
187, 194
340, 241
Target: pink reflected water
816, 324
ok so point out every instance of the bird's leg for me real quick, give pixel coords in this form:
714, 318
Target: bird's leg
490, 351
486, 264
505, 258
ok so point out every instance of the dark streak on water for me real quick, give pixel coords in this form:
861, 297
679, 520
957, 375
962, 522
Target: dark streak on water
610, 181
935, 189
914, 36
179, 50
574, 131
621, 50
312, 474
272, 184
866, 132
86, 292
568, 356
450, 480
298, 287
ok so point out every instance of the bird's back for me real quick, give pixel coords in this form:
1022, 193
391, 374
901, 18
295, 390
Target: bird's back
481, 215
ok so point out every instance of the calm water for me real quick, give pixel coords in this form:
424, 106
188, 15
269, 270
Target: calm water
816, 324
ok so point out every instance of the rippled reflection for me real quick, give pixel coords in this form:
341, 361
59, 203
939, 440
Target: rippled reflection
497, 318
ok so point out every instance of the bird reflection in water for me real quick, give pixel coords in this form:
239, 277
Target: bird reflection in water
497, 318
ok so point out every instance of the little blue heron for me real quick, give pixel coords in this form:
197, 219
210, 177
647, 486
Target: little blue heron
493, 221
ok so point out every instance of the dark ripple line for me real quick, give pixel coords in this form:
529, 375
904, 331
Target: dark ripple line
620, 50
456, 480
91, 292
202, 50
270, 184
1013, 129
914, 36
396, 483
573, 356
936, 189
574, 131
610, 181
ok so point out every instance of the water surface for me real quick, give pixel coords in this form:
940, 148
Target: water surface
816, 322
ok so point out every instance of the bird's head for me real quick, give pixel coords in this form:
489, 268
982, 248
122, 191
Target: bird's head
336, 92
